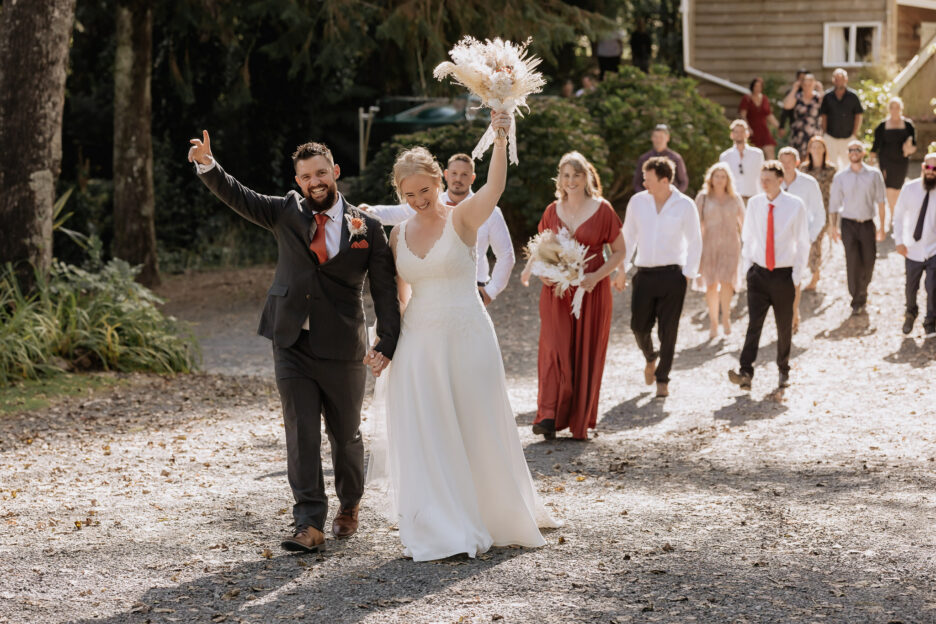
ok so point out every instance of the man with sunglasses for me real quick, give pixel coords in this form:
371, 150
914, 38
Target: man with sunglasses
852, 198
915, 235
744, 160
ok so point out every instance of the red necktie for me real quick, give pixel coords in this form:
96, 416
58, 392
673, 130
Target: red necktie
771, 261
317, 246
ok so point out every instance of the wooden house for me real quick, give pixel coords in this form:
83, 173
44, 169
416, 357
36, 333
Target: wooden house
728, 42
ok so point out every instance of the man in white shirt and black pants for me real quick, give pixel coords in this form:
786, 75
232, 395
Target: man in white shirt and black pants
775, 243
662, 226
459, 175
915, 235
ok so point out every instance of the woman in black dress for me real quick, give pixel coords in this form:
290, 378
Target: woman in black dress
894, 142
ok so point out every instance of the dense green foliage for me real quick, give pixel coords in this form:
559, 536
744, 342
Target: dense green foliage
627, 107
87, 319
551, 128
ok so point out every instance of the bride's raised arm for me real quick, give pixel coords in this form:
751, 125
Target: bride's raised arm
474, 211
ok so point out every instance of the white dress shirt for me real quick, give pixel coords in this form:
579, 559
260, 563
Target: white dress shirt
745, 168
332, 226
671, 236
807, 189
493, 233
791, 233
906, 214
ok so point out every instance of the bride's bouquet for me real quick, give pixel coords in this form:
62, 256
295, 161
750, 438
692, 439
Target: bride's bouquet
560, 259
500, 73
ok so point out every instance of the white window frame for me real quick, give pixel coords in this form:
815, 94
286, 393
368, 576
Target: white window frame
827, 62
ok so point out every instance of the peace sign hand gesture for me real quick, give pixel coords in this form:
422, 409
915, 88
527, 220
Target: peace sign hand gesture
200, 151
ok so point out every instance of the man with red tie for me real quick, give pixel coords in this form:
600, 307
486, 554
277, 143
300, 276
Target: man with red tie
775, 243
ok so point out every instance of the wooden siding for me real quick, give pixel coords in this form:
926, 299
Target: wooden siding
908, 37
738, 39
917, 93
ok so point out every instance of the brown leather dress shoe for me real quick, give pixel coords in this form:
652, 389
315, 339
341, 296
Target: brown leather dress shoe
346, 522
305, 539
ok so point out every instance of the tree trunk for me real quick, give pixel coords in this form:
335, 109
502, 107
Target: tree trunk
34, 43
134, 201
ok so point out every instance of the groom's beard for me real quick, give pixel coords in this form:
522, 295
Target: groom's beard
327, 201
929, 182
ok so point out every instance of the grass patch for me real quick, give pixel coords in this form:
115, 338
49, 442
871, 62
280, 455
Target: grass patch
35, 394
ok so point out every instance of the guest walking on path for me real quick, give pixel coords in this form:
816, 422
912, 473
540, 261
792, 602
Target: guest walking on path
894, 143
756, 110
805, 104
855, 191
743, 160
915, 235
816, 164
840, 116
721, 213
775, 243
807, 189
572, 350
661, 138
662, 226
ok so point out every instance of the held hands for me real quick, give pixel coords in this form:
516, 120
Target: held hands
619, 281
902, 250
377, 362
200, 151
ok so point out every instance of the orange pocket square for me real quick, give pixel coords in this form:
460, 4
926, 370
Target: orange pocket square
361, 244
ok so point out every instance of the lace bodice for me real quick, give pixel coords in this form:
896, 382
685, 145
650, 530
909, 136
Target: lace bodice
443, 283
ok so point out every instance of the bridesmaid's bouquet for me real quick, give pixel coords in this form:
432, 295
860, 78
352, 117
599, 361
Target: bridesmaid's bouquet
500, 73
560, 259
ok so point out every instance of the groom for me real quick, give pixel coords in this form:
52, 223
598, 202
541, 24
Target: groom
314, 315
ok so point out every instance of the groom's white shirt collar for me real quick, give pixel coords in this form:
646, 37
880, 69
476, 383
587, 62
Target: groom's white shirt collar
333, 213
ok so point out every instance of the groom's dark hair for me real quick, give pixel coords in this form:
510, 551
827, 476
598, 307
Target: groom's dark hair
311, 150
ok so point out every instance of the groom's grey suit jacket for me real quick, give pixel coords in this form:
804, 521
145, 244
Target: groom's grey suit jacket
330, 294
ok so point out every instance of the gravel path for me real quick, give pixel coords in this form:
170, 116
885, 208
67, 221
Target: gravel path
817, 505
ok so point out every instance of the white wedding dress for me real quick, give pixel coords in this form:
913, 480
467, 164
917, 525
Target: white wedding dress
458, 479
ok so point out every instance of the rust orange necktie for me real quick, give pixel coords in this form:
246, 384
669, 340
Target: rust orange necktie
771, 261
317, 246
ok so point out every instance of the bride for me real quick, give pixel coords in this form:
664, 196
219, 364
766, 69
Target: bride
459, 481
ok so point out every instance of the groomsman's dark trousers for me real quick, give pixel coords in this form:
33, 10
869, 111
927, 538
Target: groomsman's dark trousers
658, 295
309, 389
765, 290
860, 252
915, 271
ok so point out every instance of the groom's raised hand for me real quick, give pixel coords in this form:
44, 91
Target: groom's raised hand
200, 151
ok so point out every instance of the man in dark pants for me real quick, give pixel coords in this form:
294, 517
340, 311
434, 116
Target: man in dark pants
662, 226
854, 192
315, 317
915, 235
775, 242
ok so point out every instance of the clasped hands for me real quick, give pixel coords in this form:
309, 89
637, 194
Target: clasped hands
377, 361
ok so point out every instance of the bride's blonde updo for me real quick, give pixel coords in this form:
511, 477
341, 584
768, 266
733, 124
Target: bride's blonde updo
415, 161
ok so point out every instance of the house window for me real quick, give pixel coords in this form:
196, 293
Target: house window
851, 44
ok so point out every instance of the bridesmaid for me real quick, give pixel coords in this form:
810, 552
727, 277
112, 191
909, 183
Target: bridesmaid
817, 164
756, 110
572, 350
721, 212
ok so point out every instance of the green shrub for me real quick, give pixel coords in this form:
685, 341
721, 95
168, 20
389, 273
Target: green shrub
101, 319
551, 128
629, 104
874, 95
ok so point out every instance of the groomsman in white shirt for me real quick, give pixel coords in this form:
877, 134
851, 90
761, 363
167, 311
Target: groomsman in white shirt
915, 235
744, 160
662, 226
775, 243
459, 176
807, 189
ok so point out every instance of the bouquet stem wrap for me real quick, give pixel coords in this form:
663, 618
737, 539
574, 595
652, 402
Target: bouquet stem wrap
499, 72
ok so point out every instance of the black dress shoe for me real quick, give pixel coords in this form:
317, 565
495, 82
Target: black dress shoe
741, 379
908, 323
545, 428
930, 331
784, 380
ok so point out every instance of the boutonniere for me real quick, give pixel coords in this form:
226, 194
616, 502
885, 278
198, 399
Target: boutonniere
356, 225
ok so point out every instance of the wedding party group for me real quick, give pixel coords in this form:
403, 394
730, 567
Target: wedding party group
455, 472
